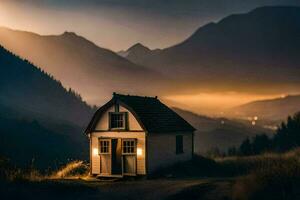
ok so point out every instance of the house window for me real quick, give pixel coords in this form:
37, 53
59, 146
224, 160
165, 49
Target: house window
104, 147
179, 144
129, 146
117, 121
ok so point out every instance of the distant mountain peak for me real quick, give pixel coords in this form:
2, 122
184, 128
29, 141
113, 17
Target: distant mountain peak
72, 36
76, 39
138, 47
68, 33
136, 51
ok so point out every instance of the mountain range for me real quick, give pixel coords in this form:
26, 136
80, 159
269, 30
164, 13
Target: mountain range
255, 52
78, 63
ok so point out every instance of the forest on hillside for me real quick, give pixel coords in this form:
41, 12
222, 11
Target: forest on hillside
41, 122
286, 138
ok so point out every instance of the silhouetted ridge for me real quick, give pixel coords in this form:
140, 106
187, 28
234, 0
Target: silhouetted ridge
29, 89
137, 53
271, 109
251, 52
67, 33
138, 47
40, 120
93, 71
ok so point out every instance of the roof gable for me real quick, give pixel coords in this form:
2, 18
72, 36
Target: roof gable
153, 115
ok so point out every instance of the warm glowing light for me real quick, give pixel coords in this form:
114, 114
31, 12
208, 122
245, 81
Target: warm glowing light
283, 96
212, 103
255, 118
139, 151
253, 123
95, 151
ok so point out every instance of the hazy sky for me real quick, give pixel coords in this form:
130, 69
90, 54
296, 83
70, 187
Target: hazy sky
118, 24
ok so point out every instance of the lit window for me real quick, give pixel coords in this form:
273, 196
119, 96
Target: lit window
128, 146
117, 120
104, 146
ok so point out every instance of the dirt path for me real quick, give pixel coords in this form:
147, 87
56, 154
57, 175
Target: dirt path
169, 189
147, 189
211, 190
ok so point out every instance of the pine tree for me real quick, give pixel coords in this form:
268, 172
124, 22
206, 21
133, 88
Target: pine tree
246, 148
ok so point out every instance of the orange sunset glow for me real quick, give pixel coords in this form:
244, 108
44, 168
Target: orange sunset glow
215, 103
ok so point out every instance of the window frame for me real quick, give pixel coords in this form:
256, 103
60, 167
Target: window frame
179, 144
108, 146
124, 127
129, 146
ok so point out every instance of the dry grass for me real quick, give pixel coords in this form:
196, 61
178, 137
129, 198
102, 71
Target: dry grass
271, 176
268, 176
269, 155
237, 166
228, 166
24, 175
75, 169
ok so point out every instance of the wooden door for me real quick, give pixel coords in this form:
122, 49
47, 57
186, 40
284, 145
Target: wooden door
129, 156
105, 156
116, 156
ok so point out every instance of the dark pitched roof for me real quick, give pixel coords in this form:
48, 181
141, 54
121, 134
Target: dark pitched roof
153, 115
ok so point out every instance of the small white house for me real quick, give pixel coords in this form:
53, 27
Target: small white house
133, 135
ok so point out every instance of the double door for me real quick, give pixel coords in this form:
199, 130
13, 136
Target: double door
117, 156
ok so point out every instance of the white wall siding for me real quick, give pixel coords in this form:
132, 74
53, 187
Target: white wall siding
162, 150
95, 162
